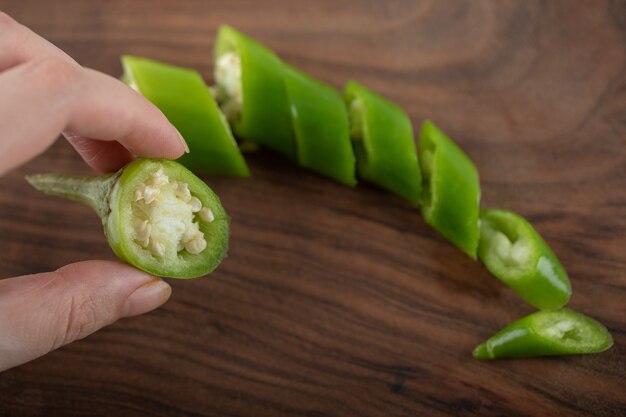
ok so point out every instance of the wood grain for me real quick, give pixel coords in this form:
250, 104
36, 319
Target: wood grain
338, 301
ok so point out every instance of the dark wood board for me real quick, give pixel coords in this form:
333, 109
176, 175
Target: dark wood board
338, 301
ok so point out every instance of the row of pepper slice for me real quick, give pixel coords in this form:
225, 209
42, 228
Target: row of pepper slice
268, 102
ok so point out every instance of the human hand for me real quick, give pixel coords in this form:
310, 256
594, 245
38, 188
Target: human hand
44, 93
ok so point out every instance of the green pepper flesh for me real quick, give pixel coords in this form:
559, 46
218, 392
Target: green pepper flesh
516, 254
451, 189
321, 128
264, 116
547, 333
382, 136
183, 96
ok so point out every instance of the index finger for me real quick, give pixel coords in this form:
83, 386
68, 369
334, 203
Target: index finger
44, 97
106, 109
95, 106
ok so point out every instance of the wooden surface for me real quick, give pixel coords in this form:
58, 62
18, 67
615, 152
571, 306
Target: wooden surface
338, 301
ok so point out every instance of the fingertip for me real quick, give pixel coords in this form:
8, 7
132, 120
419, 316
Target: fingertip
129, 291
141, 292
134, 121
170, 145
161, 138
147, 298
183, 142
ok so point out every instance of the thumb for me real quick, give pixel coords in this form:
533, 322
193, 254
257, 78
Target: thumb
41, 312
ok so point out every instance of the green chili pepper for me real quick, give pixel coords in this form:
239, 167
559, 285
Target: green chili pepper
157, 215
547, 333
182, 95
451, 189
251, 91
320, 123
383, 142
514, 252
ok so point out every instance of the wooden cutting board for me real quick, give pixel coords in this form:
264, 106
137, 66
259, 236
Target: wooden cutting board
338, 301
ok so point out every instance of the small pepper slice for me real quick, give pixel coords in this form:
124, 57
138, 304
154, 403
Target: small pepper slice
547, 333
382, 137
451, 189
182, 95
251, 91
320, 123
514, 253
157, 215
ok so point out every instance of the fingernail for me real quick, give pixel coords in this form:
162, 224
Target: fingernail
183, 141
148, 297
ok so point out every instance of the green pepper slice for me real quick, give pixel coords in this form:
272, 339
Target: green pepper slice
182, 95
251, 91
514, 253
451, 189
320, 123
382, 137
157, 215
547, 333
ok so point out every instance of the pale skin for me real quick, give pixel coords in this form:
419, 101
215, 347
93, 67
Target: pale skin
46, 93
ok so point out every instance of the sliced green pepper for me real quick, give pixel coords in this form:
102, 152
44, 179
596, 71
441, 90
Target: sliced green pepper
547, 333
251, 91
514, 252
182, 95
157, 215
451, 189
383, 141
320, 123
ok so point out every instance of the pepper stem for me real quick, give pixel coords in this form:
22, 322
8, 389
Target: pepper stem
92, 191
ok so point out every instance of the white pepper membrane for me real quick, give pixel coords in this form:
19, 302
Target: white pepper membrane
229, 89
166, 217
